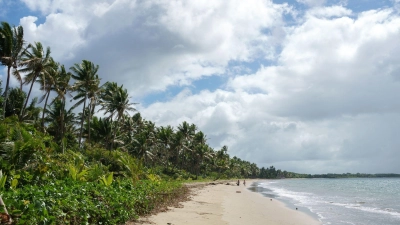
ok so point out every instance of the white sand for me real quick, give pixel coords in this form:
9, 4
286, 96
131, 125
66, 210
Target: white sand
221, 204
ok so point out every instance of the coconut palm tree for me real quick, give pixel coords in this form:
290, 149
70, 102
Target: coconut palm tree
47, 83
177, 149
11, 45
115, 102
86, 84
102, 131
32, 113
187, 132
36, 62
128, 130
62, 88
16, 98
221, 160
165, 138
60, 121
142, 146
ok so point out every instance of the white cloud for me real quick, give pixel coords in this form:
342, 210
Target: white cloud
327, 12
328, 101
65, 32
138, 40
312, 2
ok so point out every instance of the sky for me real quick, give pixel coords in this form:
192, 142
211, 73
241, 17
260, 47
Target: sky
309, 86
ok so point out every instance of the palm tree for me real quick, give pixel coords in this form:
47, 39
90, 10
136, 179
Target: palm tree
11, 44
200, 138
128, 130
187, 132
32, 112
221, 159
142, 146
60, 121
177, 149
103, 130
86, 84
93, 96
36, 63
47, 83
165, 137
115, 102
202, 151
16, 98
61, 87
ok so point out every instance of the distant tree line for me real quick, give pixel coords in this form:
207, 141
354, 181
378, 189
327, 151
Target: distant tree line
349, 175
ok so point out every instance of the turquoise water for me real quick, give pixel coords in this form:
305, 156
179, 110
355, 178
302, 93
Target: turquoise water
358, 201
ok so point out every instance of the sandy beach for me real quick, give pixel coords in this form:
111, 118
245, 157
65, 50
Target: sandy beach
230, 204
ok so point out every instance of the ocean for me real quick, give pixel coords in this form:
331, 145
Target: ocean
358, 201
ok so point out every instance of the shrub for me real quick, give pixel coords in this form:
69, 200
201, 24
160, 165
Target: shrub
72, 202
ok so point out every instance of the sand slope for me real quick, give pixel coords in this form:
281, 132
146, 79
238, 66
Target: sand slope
222, 204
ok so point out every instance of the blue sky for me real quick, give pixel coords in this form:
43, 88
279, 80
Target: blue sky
13, 11
304, 85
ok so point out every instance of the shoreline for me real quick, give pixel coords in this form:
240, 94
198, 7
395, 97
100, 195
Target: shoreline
286, 203
219, 203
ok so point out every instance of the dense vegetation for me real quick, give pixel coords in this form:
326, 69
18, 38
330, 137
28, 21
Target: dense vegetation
62, 164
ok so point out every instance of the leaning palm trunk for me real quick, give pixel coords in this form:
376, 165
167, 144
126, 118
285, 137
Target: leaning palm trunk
27, 97
44, 109
113, 138
91, 110
83, 118
62, 127
88, 121
6, 92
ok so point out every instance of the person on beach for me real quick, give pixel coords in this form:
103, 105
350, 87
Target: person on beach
244, 182
238, 183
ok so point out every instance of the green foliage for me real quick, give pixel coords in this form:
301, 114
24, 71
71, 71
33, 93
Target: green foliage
70, 202
177, 174
18, 145
132, 167
97, 154
3, 179
96, 171
77, 172
15, 102
106, 179
14, 181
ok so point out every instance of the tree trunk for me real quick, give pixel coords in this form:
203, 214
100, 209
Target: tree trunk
113, 138
44, 110
83, 118
88, 120
91, 112
115, 133
62, 125
27, 97
6, 92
